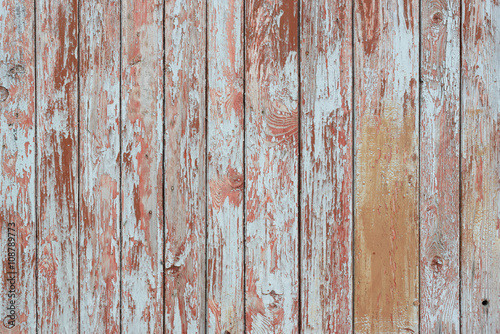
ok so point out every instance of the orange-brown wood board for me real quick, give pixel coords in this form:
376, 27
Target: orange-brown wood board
249, 166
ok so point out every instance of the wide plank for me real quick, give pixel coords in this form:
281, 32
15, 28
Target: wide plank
225, 135
386, 263
17, 167
439, 167
142, 166
271, 145
100, 166
326, 165
185, 166
57, 155
480, 297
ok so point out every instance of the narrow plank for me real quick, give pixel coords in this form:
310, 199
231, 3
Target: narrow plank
480, 167
185, 166
17, 165
57, 191
439, 167
326, 166
271, 166
100, 166
142, 169
225, 261
386, 166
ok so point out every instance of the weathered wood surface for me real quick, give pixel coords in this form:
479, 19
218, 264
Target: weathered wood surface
185, 166
439, 167
142, 166
100, 166
480, 167
17, 164
326, 166
57, 160
386, 269
225, 131
250, 166
271, 166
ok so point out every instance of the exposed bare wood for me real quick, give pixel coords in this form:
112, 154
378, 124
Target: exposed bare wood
386, 165
57, 98
100, 166
185, 167
142, 154
480, 167
225, 285
439, 167
326, 135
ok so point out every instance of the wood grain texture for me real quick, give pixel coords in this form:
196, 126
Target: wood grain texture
326, 166
17, 164
271, 166
100, 166
386, 166
225, 131
185, 167
57, 124
439, 167
480, 167
142, 169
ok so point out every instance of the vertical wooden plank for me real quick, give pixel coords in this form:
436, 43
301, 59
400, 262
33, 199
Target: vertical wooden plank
142, 170
326, 165
271, 166
57, 122
185, 166
386, 185
439, 167
17, 166
225, 285
480, 167
99, 166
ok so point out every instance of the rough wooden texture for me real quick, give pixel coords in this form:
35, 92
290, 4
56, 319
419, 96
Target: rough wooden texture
185, 208
57, 129
17, 162
271, 166
100, 166
386, 165
225, 285
142, 170
326, 166
480, 167
439, 167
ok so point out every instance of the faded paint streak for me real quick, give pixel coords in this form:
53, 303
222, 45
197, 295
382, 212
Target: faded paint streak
326, 197
57, 165
17, 159
99, 167
142, 170
480, 167
439, 167
185, 109
225, 285
271, 166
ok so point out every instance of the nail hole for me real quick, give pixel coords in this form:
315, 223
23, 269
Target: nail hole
485, 302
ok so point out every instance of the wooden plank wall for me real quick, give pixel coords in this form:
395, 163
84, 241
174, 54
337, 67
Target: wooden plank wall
260, 166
